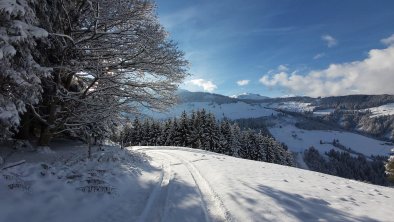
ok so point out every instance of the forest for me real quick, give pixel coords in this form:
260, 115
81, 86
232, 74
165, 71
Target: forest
201, 130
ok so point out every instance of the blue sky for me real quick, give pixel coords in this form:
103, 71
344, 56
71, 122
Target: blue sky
284, 47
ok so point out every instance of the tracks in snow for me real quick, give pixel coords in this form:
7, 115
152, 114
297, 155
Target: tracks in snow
156, 203
163, 198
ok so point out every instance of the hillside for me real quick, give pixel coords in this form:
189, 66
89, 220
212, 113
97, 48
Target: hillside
181, 184
321, 118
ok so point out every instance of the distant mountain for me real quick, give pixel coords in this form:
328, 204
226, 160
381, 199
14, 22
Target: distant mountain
185, 96
221, 106
250, 96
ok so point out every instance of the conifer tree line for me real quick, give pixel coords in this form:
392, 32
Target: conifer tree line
201, 130
72, 67
343, 164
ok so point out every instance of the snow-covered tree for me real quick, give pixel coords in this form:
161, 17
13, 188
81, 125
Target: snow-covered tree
183, 130
21, 72
226, 139
108, 58
390, 166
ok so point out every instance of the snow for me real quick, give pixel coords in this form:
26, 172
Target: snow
323, 112
11, 8
236, 110
66, 186
232, 189
251, 96
387, 109
293, 106
178, 184
298, 140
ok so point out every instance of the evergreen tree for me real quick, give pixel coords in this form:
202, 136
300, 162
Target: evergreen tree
136, 135
226, 140
237, 140
184, 130
390, 167
212, 133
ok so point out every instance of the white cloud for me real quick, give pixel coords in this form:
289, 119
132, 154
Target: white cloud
178, 17
319, 56
282, 68
373, 75
331, 41
389, 40
206, 85
243, 82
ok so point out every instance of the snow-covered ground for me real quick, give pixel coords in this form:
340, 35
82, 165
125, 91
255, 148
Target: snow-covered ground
298, 140
292, 106
180, 184
251, 96
236, 110
323, 112
63, 185
387, 109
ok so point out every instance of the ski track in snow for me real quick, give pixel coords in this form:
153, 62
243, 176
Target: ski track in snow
157, 201
205, 186
158, 209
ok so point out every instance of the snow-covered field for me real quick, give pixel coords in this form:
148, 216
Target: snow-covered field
387, 109
298, 140
293, 106
229, 110
323, 112
180, 184
251, 96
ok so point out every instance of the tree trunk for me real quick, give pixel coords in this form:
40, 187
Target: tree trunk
25, 130
89, 146
45, 135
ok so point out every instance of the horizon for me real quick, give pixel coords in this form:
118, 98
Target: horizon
283, 96
284, 48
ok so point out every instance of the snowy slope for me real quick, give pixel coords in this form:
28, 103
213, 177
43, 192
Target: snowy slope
323, 112
172, 184
250, 96
293, 106
234, 110
222, 188
298, 140
387, 109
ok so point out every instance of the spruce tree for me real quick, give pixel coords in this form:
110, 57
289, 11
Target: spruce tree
183, 130
390, 167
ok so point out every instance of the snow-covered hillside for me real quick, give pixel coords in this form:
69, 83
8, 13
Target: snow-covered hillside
299, 139
236, 110
323, 112
292, 106
387, 109
250, 96
180, 184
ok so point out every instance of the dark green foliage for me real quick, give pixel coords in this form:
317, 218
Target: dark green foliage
343, 164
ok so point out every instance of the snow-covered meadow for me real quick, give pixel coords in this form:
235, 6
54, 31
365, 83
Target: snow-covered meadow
299, 140
179, 184
292, 106
387, 109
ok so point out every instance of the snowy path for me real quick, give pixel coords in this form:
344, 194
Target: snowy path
182, 193
201, 186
